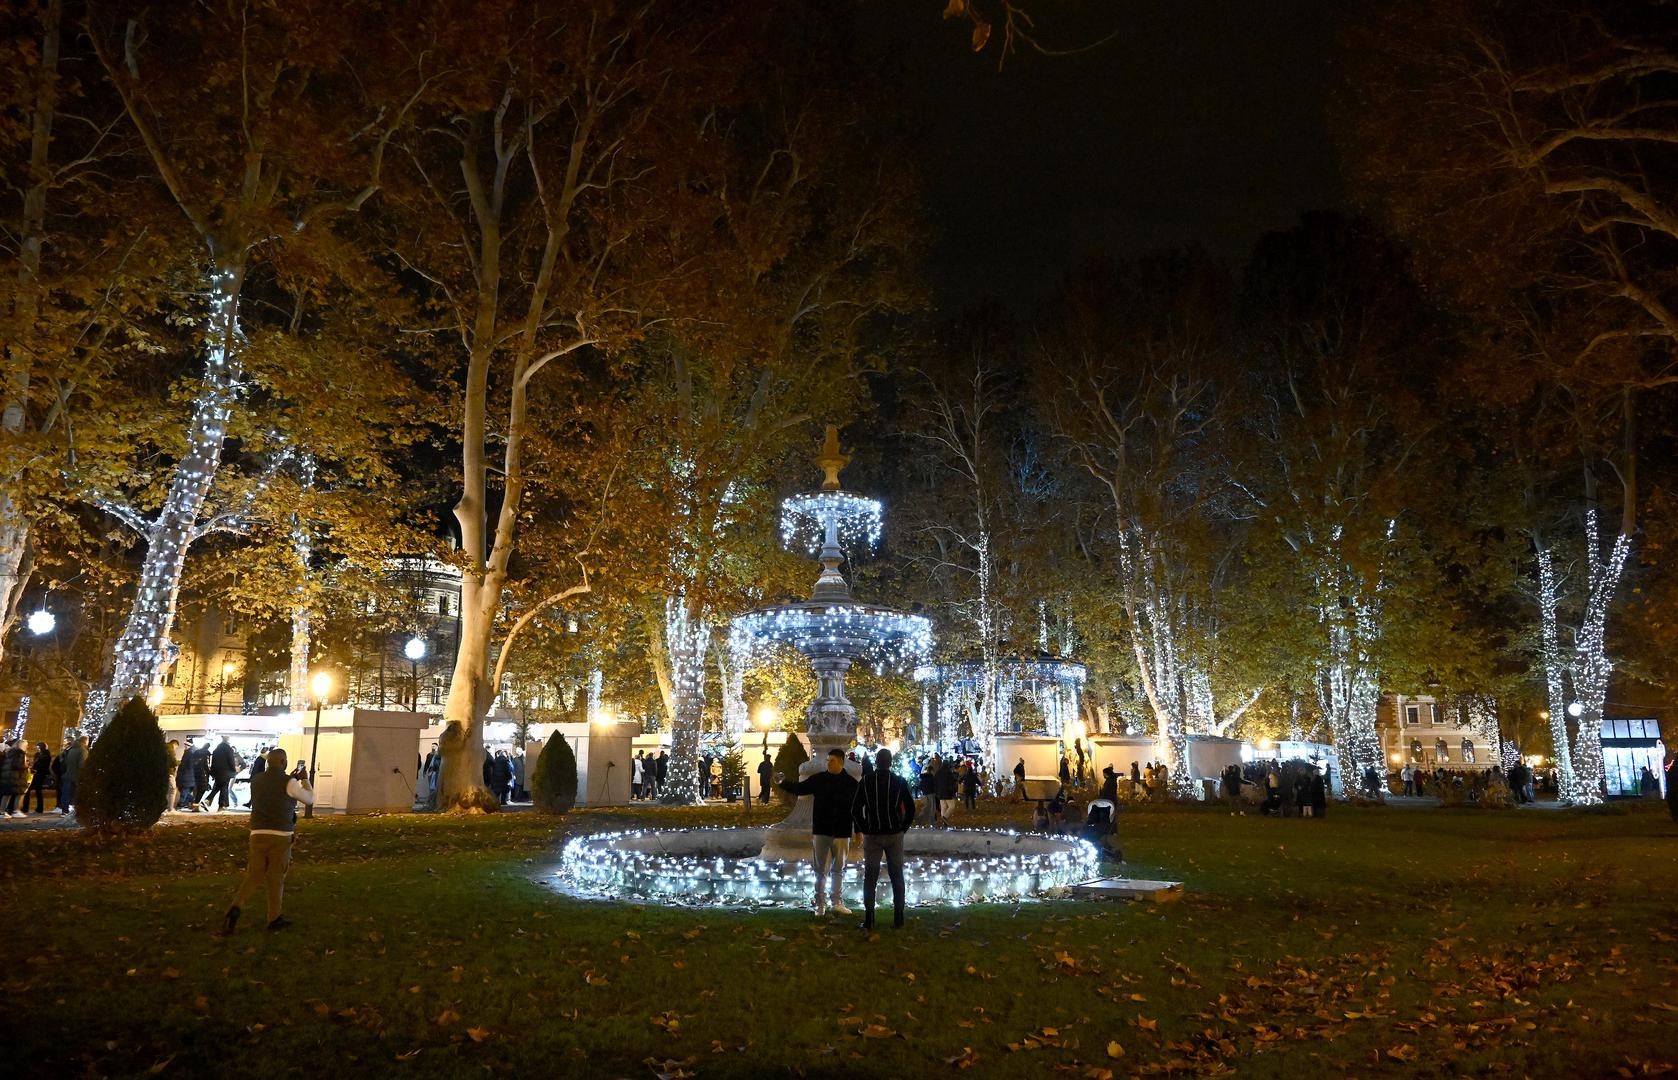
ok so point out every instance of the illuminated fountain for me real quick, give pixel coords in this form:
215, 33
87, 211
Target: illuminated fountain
772, 865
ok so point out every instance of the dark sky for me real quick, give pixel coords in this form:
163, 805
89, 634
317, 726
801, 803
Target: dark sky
1200, 124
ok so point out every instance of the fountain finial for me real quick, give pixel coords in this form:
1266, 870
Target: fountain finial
831, 460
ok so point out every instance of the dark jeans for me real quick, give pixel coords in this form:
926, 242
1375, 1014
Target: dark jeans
219, 792
185, 800
891, 846
37, 788
11, 803
66, 794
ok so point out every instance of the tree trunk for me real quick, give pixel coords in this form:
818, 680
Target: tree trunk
685, 638
140, 648
26, 311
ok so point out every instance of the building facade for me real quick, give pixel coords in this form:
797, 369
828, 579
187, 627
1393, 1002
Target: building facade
1422, 730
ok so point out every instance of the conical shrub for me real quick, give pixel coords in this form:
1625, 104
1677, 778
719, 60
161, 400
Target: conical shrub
553, 787
125, 781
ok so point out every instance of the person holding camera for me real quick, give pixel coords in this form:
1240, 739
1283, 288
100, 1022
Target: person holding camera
275, 794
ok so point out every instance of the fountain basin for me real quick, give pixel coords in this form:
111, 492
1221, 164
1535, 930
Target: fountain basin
722, 868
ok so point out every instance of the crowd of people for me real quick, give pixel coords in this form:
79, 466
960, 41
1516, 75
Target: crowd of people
30, 771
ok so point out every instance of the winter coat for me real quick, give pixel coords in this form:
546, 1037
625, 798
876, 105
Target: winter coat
501, 773
946, 782
14, 775
663, 771
831, 797
883, 805
74, 758
42, 768
223, 765
201, 768
183, 771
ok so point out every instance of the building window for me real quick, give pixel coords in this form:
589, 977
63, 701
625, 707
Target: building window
442, 604
1438, 715
1412, 715
1442, 751
436, 693
169, 674
1415, 749
1468, 750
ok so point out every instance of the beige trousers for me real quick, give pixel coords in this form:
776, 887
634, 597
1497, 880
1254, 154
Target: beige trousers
270, 858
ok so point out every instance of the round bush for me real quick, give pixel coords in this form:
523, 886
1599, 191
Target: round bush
125, 781
553, 787
787, 760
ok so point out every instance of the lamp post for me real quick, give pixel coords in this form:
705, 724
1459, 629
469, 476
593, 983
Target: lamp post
221, 687
319, 684
414, 650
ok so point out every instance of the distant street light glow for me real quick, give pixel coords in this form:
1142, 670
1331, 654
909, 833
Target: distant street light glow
42, 622
414, 648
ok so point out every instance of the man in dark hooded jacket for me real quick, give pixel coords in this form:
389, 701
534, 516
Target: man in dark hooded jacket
831, 792
882, 811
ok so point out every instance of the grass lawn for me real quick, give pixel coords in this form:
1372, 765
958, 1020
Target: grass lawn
1375, 942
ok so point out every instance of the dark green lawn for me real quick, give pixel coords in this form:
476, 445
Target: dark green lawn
1377, 942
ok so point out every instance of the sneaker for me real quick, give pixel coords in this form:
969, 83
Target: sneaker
839, 908
819, 909
280, 923
228, 922
866, 925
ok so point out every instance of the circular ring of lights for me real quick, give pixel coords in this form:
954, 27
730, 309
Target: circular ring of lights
720, 867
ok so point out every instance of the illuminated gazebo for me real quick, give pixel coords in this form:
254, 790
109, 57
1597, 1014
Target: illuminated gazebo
954, 692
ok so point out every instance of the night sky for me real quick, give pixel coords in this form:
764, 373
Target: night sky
1201, 124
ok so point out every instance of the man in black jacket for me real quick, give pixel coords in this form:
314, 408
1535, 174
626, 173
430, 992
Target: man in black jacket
882, 811
223, 768
201, 776
831, 794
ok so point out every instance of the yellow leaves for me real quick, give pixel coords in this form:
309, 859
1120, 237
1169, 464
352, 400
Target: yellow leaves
414, 989
1404, 1052
964, 1060
669, 1021
1114, 1050
447, 1017
877, 1031
1047, 1036
909, 977
478, 1034
954, 8
1146, 1024
594, 979
170, 973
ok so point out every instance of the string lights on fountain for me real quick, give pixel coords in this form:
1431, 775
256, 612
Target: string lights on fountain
702, 868
858, 521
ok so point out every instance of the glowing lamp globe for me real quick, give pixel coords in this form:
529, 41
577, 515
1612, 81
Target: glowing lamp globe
414, 648
320, 684
1574, 709
41, 622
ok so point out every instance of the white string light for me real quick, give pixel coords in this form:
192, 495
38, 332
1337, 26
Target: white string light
649, 866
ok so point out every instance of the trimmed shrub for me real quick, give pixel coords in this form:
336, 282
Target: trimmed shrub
125, 780
553, 786
787, 760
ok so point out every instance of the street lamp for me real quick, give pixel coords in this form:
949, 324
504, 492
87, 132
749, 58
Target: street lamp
1575, 710
42, 621
320, 684
414, 650
221, 687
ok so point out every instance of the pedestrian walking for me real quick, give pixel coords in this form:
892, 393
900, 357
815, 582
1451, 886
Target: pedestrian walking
1019, 778
946, 793
831, 792
882, 811
224, 766
765, 769
274, 798
929, 790
40, 774
635, 777
14, 775
201, 776
1065, 771
661, 772
72, 760
969, 786
1671, 770
1319, 794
